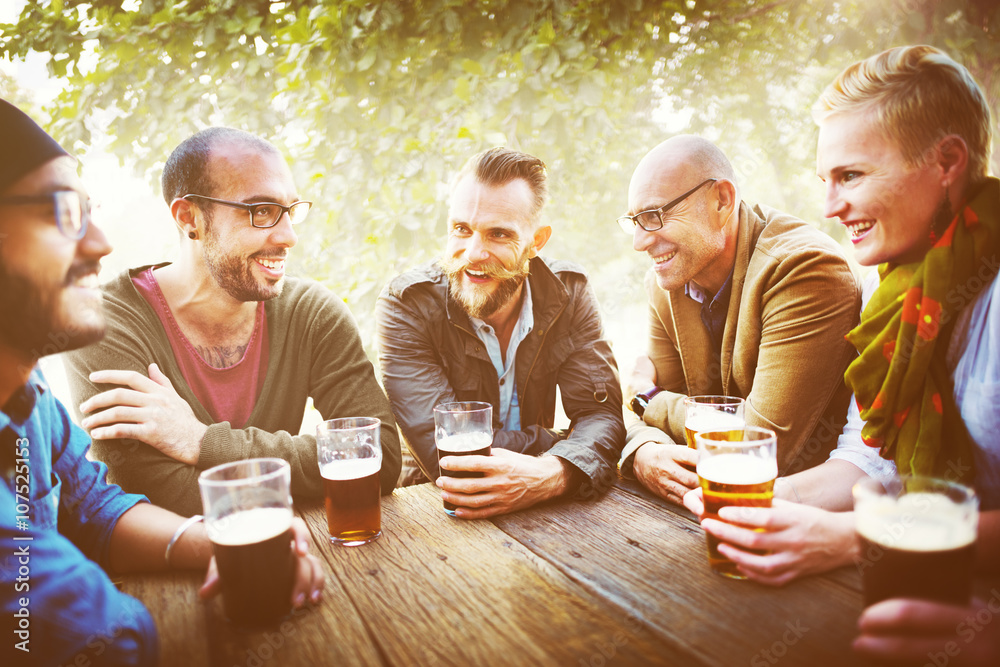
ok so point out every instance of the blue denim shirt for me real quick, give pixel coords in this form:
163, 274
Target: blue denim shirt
510, 411
57, 512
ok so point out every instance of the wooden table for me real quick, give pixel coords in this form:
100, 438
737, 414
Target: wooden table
621, 580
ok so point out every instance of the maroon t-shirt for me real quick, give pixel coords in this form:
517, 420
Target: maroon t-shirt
228, 394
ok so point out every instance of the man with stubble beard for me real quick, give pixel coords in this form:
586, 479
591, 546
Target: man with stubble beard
491, 321
210, 359
63, 528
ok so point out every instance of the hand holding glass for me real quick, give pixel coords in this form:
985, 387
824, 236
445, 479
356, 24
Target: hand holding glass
735, 468
248, 516
462, 429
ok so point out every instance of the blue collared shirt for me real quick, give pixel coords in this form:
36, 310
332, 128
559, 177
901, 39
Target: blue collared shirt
713, 315
714, 310
57, 512
510, 410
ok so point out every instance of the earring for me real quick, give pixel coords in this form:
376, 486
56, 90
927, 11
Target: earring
192, 235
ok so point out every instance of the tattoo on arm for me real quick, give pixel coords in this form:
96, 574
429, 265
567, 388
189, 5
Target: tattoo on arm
221, 356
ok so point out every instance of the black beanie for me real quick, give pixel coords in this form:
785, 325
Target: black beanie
23, 144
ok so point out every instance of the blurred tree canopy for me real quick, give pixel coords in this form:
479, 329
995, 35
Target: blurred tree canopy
376, 104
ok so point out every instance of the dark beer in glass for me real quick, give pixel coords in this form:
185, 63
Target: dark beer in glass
350, 459
462, 428
918, 539
248, 518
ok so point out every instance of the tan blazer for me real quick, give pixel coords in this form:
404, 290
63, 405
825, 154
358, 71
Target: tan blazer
793, 299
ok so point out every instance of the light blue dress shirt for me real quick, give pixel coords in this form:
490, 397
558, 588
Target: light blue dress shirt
510, 412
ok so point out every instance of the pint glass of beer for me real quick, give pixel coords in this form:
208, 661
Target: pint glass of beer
918, 538
461, 429
736, 467
248, 516
350, 458
711, 413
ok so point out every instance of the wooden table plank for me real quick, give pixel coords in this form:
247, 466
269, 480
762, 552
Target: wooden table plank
652, 564
435, 590
196, 634
845, 576
172, 600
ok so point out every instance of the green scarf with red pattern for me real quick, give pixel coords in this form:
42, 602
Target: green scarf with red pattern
900, 379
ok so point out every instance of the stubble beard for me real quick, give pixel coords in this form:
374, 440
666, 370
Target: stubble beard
34, 322
234, 274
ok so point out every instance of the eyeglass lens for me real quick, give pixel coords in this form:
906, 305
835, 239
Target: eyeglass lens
72, 214
267, 215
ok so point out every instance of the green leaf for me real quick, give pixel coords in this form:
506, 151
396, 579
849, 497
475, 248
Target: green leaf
462, 89
366, 61
473, 67
546, 33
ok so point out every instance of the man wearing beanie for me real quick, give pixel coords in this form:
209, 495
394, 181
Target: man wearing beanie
211, 359
60, 521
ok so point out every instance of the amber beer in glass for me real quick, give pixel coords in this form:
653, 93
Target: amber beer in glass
248, 517
918, 538
735, 468
462, 428
712, 413
350, 459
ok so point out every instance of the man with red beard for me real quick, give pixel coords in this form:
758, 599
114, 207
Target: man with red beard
491, 321
211, 359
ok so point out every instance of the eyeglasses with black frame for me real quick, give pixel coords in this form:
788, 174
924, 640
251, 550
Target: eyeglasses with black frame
652, 220
266, 213
70, 210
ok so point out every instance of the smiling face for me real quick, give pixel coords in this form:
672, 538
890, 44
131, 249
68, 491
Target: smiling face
693, 237
49, 292
886, 205
247, 262
490, 239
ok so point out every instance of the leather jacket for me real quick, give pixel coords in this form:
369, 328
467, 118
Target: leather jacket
429, 354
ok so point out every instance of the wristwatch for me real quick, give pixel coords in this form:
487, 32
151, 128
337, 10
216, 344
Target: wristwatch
640, 401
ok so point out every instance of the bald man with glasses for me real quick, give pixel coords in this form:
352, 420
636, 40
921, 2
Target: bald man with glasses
211, 358
743, 301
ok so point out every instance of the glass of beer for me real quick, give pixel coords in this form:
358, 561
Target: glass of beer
462, 429
248, 517
350, 458
918, 538
736, 467
711, 413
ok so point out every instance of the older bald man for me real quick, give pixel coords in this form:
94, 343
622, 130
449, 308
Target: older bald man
743, 301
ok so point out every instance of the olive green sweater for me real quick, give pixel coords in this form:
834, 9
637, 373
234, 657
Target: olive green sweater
315, 350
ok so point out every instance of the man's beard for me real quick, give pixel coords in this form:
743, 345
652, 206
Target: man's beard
32, 323
234, 274
477, 300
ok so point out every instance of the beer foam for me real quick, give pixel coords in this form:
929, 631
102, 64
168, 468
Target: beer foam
737, 469
350, 469
916, 522
705, 419
249, 526
464, 442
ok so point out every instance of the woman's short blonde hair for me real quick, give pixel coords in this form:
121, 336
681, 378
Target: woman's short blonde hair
918, 95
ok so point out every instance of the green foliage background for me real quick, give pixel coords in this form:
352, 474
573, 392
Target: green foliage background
377, 103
